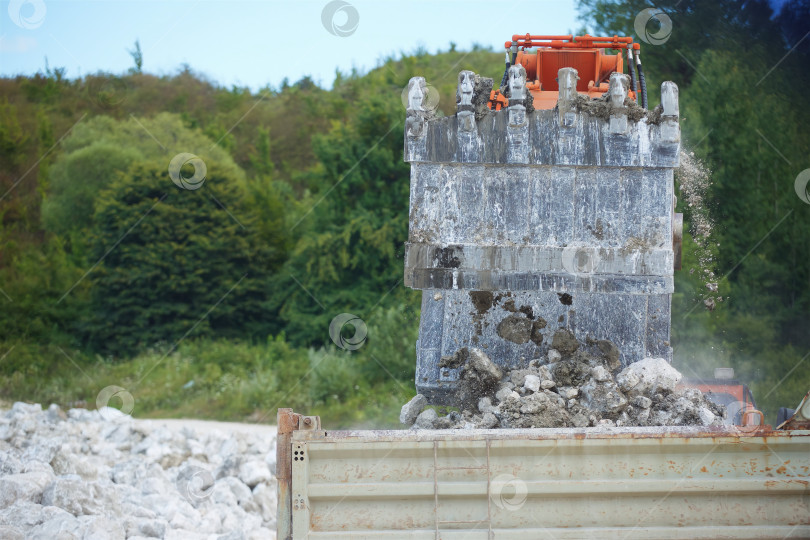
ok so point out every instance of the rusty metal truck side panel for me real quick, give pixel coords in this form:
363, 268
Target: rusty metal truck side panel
549, 483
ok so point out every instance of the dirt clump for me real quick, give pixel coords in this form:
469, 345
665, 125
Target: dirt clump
564, 341
478, 376
602, 108
515, 329
575, 384
481, 300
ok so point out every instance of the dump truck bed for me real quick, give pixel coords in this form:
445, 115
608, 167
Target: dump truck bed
544, 483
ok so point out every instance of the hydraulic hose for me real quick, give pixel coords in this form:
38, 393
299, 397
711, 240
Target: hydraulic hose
642, 80
630, 67
509, 64
506, 71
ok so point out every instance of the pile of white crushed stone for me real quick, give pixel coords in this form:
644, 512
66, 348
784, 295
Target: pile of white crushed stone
99, 475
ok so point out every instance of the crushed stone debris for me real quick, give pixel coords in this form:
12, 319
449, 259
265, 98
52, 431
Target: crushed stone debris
575, 384
694, 180
102, 475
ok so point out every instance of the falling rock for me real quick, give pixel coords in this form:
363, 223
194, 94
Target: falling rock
240, 490
426, 419
692, 394
554, 397
21, 409
150, 528
648, 376
580, 420
411, 410
554, 356
25, 515
707, 417
628, 379
643, 416
661, 417
10, 463
532, 383
480, 363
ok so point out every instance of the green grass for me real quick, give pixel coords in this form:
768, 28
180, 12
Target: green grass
229, 380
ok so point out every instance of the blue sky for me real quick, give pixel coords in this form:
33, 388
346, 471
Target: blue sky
255, 43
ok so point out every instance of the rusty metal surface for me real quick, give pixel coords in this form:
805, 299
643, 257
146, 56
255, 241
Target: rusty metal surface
800, 418
687, 432
287, 423
722, 482
309, 423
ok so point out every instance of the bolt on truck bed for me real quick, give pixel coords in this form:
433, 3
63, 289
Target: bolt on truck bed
541, 483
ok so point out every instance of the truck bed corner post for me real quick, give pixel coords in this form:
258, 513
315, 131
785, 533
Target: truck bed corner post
287, 423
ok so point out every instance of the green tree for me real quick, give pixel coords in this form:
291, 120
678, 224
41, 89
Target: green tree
137, 57
102, 147
348, 255
175, 262
741, 77
30, 287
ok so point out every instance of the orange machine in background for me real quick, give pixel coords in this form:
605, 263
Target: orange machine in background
583, 53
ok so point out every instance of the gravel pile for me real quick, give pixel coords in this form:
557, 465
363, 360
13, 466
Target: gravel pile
97, 475
574, 385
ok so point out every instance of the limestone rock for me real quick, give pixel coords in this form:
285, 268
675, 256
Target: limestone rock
426, 419
80, 475
253, 472
648, 376
411, 410
23, 487
532, 383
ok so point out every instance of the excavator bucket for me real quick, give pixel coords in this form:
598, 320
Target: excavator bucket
524, 221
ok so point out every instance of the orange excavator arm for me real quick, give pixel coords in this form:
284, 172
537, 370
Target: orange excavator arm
542, 56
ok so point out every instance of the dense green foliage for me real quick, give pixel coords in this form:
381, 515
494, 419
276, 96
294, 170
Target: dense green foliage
100, 147
174, 262
742, 74
217, 302
302, 217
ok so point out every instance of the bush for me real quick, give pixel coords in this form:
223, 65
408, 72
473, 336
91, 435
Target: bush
174, 263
